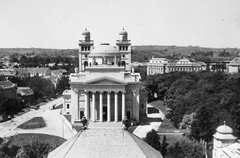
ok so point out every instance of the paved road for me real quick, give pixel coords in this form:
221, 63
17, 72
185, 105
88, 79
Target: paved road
142, 130
56, 123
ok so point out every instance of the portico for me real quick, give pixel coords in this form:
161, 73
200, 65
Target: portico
95, 103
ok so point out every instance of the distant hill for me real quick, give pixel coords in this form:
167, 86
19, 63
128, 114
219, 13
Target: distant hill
140, 53
145, 52
39, 51
180, 49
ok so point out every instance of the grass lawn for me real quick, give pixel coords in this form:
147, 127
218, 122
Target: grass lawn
24, 139
36, 122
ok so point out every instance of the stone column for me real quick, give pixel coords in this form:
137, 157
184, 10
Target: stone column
87, 105
94, 106
108, 107
123, 105
116, 107
136, 104
101, 106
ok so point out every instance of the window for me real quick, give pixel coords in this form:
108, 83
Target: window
67, 106
142, 105
67, 112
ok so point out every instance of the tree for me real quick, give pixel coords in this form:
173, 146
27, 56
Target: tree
34, 149
143, 71
164, 146
205, 123
63, 83
185, 148
153, 139
9, 107
3, 155
42, 87
9, 151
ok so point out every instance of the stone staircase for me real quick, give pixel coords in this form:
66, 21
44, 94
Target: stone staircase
104, 124
101, 141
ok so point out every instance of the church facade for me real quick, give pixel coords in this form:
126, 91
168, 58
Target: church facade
104, 88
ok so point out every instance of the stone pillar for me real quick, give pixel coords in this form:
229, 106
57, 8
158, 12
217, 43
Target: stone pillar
136, 104
74, 105
80, 62
116, 107
94, 106
108, 107
87, 105
123, 105
101, 106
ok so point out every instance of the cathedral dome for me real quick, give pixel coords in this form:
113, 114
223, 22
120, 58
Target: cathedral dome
86, 32
224, 129
104, 50
123, 32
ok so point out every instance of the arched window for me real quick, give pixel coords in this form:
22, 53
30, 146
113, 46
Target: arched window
85, 64
123, 63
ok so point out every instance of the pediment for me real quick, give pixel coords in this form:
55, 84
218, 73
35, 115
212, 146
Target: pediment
104, 81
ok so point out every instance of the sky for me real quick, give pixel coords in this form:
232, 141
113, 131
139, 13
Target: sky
60, 23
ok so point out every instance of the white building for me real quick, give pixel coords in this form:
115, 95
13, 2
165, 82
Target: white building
225, 145
156, 65
163, 65
104, 88
234, 65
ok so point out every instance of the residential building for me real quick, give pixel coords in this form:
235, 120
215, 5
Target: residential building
7, 90
163, 65
39, 72
218, 66
203, 65
25, 94
8, 72
58, 72
21, 72
156, 65
183, 65
234, 65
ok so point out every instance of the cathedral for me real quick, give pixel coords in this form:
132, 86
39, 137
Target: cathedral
104, 88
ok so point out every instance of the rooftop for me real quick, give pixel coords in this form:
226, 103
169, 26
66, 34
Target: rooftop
112, 142
6, 84
104, 50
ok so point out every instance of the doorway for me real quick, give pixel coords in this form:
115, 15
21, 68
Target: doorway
129, 114
81, 114
104, 113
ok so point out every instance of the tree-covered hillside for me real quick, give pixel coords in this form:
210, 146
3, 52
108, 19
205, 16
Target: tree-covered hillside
211, 97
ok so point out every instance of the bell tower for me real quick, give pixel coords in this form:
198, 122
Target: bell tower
221, 139
124, 47
85, 47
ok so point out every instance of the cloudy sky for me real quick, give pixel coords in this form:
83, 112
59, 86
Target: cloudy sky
60, 23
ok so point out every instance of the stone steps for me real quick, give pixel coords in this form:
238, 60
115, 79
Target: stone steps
105, 124
94, 139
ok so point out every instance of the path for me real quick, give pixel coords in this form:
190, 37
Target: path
56, 124
142, 130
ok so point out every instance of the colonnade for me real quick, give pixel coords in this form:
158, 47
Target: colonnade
87, 104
